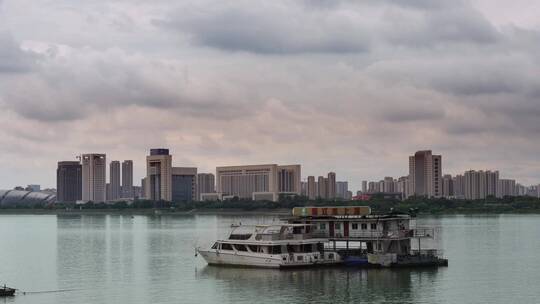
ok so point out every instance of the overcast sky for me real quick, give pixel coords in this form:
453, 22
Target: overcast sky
335, 85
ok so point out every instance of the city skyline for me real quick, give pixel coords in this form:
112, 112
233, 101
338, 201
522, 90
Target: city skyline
352, 94
357, 185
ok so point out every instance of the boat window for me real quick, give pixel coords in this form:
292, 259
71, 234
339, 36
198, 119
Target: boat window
354, 226
239, 236
253, 248
275, 249
322, 227
300, 258
338, 226
215, 246
225, 246
306, 248
240, 247
374, 226
364, 226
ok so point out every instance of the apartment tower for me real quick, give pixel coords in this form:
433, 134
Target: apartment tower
127, 179
94, 177
425, 174
114, 180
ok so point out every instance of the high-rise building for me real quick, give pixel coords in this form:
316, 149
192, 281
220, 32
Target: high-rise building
114, 180
372, 187
492, 180
458, 183
248, 182
341, 189
184, 184
143, 187
312, 192
321, 187
331, 185
364, 186
206, 183
94, 177
159, 175
521, 190
480, 184
303, 188
425, 174
472, 184
538, 191
506, 187
388, 184
289, 178
127, 179
69, 181
108, 193
403, 186
447, 186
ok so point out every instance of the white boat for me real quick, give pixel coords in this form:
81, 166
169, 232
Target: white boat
270, 246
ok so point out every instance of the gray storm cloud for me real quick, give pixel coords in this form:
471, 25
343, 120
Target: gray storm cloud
329, 84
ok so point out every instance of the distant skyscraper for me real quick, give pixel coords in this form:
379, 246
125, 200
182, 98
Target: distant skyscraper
458, 183
506, 187
538, 191
311, 188
184, 184
388, 185
480, 184
341, 189
331, 185
69, 181
364, 186
425, 174
93, 177
447, 186
402, 186
206, 183
159, 175
114, 180
127, 179
321, 185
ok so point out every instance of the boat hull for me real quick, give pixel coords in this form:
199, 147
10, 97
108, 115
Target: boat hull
261, 261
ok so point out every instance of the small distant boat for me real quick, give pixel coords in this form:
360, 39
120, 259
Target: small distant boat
7, 292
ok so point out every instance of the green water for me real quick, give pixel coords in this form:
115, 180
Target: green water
120, 259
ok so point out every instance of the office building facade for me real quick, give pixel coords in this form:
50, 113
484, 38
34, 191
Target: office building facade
158, 183
248, 182
69, 181
289, 179
206, 183
184, 184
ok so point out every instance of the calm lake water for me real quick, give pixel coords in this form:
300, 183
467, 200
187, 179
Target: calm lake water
150, 259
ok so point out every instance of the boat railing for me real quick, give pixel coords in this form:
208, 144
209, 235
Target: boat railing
276, 236
424, 232
374, 234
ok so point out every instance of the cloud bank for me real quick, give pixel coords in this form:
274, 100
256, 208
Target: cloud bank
346, 86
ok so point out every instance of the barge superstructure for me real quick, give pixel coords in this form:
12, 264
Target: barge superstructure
362, 238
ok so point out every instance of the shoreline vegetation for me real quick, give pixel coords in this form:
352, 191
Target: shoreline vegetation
378, 203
